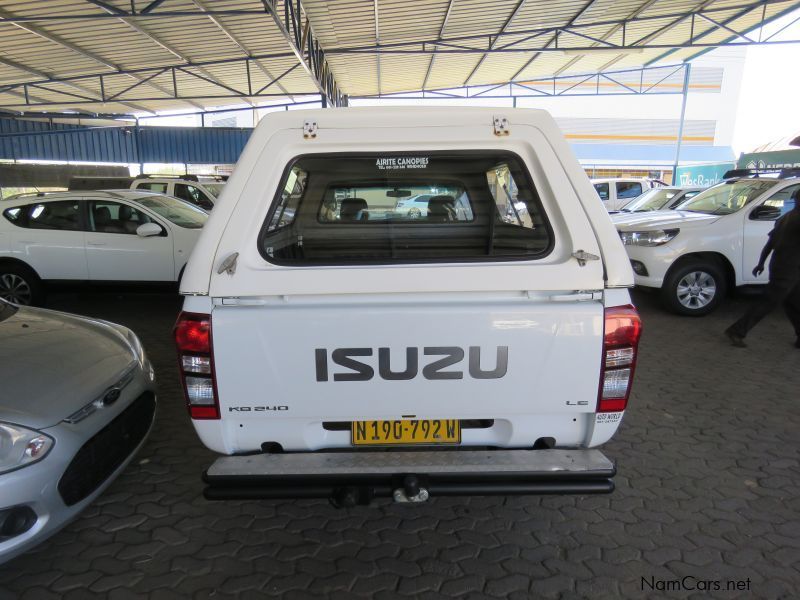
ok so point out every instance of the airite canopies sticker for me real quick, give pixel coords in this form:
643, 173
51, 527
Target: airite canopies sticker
402, 162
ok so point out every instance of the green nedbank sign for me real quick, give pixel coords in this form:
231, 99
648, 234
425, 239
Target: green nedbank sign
769, 160
701, 175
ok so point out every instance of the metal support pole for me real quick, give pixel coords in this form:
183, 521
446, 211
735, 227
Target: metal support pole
138, 145
686, 73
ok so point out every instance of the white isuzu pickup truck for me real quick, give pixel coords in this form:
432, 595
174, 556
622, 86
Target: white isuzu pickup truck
333, 345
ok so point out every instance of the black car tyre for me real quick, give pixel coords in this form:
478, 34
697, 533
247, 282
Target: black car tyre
20, 285
694, 288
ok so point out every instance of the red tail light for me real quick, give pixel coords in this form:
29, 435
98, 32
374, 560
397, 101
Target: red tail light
196, 362
623, 328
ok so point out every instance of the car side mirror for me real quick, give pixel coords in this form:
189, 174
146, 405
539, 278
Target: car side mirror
765, 213
148, 229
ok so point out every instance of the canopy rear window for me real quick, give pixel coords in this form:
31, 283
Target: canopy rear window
403, 208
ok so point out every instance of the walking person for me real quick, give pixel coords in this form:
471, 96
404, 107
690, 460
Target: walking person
784, 277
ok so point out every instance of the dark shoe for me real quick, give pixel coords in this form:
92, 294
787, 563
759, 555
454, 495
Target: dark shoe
735, 338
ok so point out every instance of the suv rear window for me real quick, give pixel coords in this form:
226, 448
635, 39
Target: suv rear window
402, 208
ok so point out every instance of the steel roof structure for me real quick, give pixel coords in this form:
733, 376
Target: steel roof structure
143, 56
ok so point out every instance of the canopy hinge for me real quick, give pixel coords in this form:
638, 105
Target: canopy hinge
309, 129
501, 126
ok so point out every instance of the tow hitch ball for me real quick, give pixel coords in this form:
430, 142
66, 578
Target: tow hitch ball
411, 491
350, 496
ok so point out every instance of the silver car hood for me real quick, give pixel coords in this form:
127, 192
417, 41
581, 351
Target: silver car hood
52, 364
662, 219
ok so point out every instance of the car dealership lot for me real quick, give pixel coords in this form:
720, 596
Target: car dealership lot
708, 487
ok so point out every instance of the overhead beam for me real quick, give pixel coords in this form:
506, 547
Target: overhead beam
25, 94
226, 31
162, 13
378, 43
141, 78
484, 43
603, 40
58, 40
727, 41
553, 39
649, 81
140, 29
441, 34
296, 29
496, 39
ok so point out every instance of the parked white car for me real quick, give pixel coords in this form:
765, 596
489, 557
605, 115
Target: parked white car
709, 244
197, 190
616, 192
200, 190
94, 237
508, 335
426, 205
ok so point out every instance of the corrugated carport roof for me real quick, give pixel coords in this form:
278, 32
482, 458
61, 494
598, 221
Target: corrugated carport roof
118, 56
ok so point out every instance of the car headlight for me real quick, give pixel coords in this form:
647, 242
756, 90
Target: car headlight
648, 238
20, 446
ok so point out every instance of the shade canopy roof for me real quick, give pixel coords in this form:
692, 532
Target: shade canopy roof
119, 56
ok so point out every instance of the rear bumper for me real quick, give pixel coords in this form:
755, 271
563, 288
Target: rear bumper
363, 475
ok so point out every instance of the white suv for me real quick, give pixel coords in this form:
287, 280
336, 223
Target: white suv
708, 244
93, 236
491, 347
616, 192
201, 191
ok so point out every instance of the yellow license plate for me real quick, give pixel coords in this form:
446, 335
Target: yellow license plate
381, 433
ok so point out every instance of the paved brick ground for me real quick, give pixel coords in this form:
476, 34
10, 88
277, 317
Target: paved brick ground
708, 486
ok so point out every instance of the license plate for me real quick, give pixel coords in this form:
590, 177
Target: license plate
381, 433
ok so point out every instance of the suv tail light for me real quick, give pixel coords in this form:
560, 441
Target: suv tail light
623, 327
196, 362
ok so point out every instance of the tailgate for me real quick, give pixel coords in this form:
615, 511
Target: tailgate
514, 358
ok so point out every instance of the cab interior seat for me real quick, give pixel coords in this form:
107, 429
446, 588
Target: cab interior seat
127, 221
103, 223
441, 209
354, 209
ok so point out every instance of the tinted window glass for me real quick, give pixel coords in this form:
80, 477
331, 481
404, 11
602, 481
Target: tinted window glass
364, 209
689, 195
153, 186
379, 203
602, 190
14, 215
193, 195
628, 189
113, 217
214, 188
294, 186
63, 215
783, 201
180, 213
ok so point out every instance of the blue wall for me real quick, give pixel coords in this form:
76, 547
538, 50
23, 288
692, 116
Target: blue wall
221, 145
33, 140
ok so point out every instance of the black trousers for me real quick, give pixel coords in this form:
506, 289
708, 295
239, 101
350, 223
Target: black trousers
779, 290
